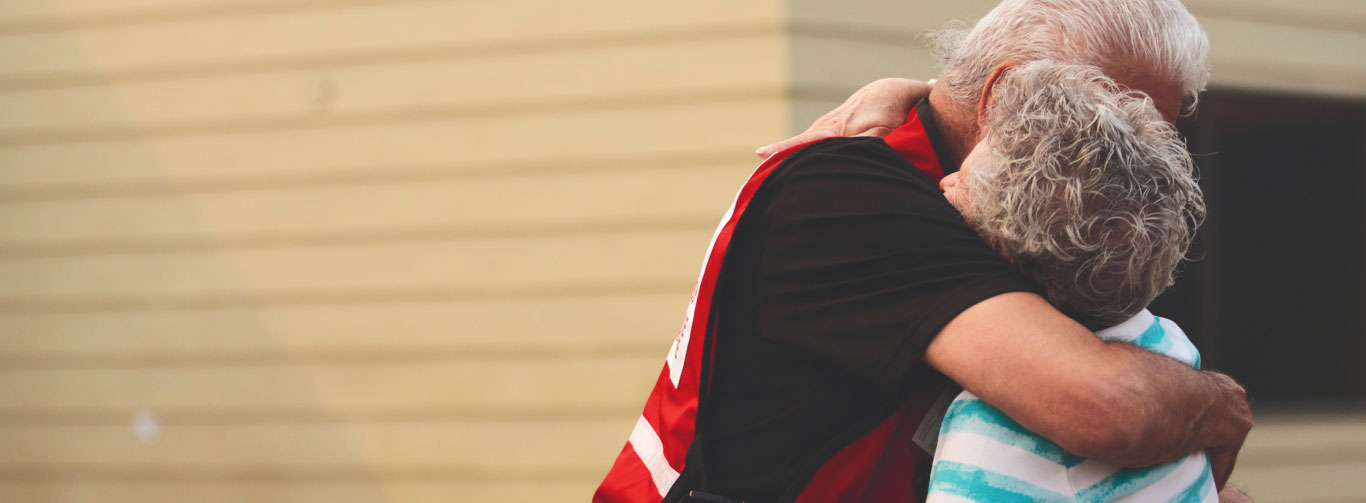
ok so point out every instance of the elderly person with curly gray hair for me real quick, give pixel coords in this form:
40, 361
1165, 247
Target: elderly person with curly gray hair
1084, 187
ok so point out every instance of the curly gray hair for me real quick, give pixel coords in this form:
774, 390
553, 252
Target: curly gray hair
1087, 188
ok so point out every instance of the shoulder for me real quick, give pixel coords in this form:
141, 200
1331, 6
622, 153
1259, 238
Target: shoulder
1181, 346
1156, 334
849, 157
855, 175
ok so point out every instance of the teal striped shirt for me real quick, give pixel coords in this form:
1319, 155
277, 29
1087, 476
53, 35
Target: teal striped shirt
984, 456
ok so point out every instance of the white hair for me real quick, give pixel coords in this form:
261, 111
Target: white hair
1087, 189
1157, 38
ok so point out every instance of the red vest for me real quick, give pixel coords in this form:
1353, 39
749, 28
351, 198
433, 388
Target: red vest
878, 466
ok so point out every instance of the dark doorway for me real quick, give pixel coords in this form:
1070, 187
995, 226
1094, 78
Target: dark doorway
1277, 297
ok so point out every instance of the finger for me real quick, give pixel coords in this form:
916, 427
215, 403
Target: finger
807, 137
1221, 466
878, 131
1230, 494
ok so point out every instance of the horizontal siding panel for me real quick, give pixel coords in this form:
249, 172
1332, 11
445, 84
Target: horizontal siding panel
501, 262
638, 129
526, 325
368, 28
1313, 483
1261, 54
1310, 434
834, 67
23, 10
889, 20
912, 17
1312, 458
342, 388
642, 198
1332, 14
362, 488
591, 73
481, 445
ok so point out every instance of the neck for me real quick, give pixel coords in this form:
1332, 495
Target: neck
957, 124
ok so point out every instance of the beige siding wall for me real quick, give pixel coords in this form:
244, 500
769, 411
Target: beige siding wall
1301, 458
356, 250
1315, 47
362, 250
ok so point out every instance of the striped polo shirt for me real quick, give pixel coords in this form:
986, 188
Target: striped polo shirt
984, 456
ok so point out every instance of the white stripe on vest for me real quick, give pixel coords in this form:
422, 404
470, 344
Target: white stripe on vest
651, 451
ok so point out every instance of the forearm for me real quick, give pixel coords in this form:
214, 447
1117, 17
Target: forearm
1111, 401
1170, 409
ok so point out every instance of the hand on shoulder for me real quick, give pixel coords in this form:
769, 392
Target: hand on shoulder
874, 110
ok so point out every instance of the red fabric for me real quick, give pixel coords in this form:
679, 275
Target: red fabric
672, 411
629, 481
913, 142
880, 466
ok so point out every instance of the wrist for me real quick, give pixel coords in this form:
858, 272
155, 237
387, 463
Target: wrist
1229, 419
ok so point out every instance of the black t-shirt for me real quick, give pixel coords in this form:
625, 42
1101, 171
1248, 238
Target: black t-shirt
847, 263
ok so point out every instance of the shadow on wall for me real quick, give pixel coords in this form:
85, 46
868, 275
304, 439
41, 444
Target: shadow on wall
139, 362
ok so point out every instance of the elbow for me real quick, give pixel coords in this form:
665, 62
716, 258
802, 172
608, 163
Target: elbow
1110, 424
1106, 441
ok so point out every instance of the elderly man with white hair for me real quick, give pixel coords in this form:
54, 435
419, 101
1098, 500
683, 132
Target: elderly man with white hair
842, 289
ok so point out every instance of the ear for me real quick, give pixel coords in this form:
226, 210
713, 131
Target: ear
985, 100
